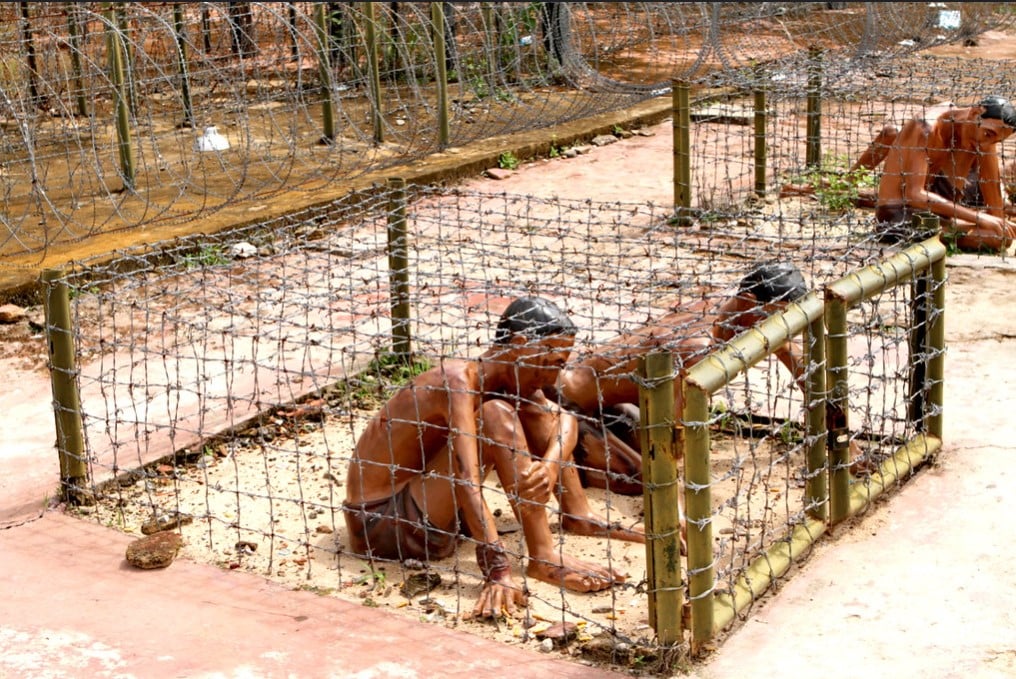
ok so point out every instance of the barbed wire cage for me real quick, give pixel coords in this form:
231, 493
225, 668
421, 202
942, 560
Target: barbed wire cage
223, 381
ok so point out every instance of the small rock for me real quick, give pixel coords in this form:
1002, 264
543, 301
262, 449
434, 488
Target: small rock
11, 313
546, 646
154, 551
559, 633
570, 152
583, 150
603, 140
499, 173
242, 250
603, 609
323, 530
166, 522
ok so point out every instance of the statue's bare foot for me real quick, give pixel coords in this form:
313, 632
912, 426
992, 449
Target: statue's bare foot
596, 527
573, 574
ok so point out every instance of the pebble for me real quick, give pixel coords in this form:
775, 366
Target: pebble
11, 313
499, 173
546, 646
166, 522
603, 139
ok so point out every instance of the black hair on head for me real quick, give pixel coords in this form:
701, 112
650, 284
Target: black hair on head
774, 282
999, 108
532, 317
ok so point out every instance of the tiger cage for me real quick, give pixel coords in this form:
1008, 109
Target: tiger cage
215, 384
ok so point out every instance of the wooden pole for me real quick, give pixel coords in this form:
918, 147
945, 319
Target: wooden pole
373, 65
682, 152
181, 55
76, 69
699, 508
70, 442
936, 345
114, 48
838, 407
126, 55
398, 268
325, 73
813, 153
662, 495
816, 499
920, 314
760, 142
31, 63
438, 30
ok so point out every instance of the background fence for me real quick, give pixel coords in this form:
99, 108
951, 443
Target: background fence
104, 105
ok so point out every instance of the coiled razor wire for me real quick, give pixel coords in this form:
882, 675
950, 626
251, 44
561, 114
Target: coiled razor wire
104, 106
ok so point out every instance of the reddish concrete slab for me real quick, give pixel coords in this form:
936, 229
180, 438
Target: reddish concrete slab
73, 607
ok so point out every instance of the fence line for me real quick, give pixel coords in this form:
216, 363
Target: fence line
106, 113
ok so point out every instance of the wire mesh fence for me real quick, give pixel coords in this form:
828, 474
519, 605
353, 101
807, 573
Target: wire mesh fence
126, 115
224, 385
224, 382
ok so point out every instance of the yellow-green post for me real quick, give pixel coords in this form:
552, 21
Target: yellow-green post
374, 68
813, 137
398, 267
76, 69
662, 489
921, 311
682, 151
125, 148
438, 20
324, 73
936, 364
838, 407
70, 442
698, 510
760, 142
816, 487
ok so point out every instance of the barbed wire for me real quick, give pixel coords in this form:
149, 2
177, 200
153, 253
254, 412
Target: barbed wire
104, 107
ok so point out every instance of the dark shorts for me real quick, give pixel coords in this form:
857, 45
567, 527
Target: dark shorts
395, 528
895, 223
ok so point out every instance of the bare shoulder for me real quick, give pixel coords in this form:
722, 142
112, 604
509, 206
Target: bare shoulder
915, 129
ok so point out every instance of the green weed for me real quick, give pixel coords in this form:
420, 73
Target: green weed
205, 256
836, 188
507, 161
371, 387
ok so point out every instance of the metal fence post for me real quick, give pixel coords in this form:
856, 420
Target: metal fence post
682, 152
661, 489
70, 442
398, 267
